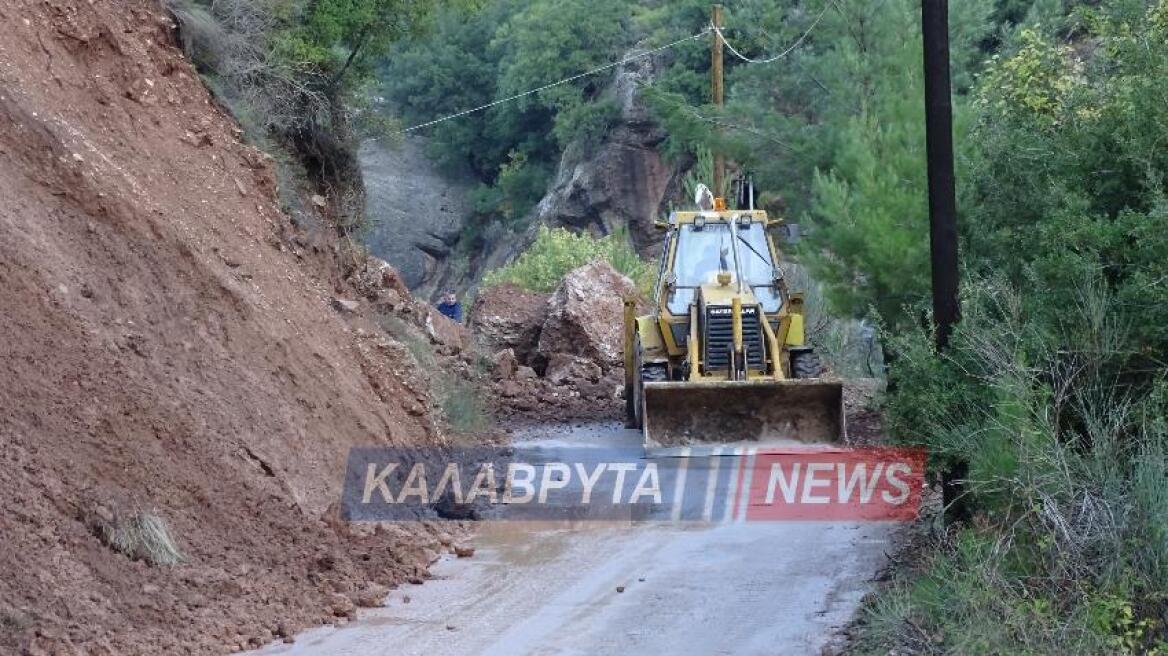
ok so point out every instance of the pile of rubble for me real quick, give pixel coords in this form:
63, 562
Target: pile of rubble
557, 356
386, 292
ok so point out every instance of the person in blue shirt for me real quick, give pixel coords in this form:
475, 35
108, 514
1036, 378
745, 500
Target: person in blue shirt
450, 307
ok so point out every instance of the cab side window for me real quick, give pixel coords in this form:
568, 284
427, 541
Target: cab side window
659, 289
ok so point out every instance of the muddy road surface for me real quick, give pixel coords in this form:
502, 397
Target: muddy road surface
613, 588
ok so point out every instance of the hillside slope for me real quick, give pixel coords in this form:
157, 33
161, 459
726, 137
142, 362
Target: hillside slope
168, 344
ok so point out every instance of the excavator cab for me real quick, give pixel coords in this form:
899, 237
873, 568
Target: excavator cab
723, 356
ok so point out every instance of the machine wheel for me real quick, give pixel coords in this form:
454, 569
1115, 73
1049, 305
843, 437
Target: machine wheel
806, 364
647, 373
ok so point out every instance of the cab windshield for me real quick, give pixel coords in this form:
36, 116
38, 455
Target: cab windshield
702, 253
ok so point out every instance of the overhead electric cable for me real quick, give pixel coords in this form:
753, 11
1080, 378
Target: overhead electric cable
782, 54
557, 83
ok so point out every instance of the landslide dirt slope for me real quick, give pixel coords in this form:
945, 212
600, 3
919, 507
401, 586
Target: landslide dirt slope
165, 345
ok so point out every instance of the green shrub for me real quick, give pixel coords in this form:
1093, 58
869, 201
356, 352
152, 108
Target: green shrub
557, 251
1067, 466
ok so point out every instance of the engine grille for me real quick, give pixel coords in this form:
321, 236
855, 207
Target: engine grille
719, 329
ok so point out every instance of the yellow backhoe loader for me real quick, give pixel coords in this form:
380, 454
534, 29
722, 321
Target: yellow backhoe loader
722, 358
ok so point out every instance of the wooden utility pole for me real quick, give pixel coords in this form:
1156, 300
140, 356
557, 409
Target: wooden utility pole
939, 149
717, 95
942, 218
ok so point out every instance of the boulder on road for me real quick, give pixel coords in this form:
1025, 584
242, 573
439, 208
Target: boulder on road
510, 318
572, 370
585, 316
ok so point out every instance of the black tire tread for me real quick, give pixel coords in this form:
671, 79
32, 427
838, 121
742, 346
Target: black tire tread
806, 364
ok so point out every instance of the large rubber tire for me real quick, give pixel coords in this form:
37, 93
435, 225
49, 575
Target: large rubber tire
630, 407
650, 373
806, 364
636, 404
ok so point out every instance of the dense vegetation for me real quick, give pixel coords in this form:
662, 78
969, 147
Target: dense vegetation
1052, 391
556, 252
297, 75
502, 48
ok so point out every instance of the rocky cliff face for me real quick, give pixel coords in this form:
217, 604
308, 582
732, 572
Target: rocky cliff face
416, 213
623, 184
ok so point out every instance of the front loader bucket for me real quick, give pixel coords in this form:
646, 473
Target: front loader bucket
750, 411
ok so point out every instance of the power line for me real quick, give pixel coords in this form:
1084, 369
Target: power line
557, 83
782, 54
611, 65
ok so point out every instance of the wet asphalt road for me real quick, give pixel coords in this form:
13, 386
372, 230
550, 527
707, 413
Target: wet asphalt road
622, 588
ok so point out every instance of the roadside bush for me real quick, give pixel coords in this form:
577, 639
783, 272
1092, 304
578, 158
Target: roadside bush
850, 348
463, 406
557, 251
1067, 474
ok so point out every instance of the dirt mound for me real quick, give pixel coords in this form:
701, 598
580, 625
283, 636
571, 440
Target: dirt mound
382, 286
174, 350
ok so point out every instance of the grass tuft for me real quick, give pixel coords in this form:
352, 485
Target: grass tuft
139, 536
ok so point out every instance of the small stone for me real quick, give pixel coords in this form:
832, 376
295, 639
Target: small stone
463, 552
345, 305
319, 200
620, 588
342, 606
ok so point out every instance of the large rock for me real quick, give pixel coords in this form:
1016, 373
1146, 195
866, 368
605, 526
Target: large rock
510, 318
584, 316
567, 369
442, 331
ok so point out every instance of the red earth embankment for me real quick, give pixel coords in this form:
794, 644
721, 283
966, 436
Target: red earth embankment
169, 344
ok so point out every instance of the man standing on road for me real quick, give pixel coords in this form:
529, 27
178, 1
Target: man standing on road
450, 307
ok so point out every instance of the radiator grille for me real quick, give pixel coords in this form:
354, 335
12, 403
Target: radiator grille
719, 329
